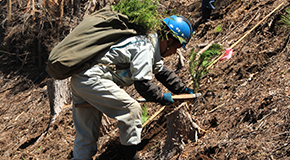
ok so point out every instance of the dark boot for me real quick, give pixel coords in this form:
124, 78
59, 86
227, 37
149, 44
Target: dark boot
205, 17
130, 151
206, 14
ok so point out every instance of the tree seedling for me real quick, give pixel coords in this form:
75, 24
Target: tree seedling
144, 113
198, 67
285, 20
218, 28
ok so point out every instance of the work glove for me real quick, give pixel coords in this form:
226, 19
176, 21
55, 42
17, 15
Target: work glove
166, 99
188, 90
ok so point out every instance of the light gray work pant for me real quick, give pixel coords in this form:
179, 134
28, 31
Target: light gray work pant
105, 97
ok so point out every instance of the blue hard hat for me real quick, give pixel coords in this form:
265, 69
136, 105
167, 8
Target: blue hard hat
181, 27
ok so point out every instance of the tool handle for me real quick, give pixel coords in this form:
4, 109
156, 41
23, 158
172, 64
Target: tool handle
176, 97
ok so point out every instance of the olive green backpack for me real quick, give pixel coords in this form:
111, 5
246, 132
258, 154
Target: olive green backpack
94, 35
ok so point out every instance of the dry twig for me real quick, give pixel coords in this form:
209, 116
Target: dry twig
252, 20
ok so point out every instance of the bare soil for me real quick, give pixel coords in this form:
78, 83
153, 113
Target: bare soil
244, 108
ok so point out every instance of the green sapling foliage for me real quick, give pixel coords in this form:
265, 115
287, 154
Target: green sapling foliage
142, 14
144, 113
198, 67
218, 28
285, 20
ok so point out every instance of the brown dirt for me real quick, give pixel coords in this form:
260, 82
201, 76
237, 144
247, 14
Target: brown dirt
244, 109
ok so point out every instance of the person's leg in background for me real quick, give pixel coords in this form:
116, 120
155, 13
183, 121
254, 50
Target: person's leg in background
206, 9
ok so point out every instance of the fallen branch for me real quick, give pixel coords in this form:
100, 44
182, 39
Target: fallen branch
285, 145
287, 132
225, 37
9, 53
252, 19
153, 116
219, 106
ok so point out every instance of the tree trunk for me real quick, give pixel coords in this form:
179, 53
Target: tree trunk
181, 129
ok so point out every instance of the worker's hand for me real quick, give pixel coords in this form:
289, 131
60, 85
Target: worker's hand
166, 99
188, 90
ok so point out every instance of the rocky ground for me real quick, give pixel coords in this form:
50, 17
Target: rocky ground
244, 109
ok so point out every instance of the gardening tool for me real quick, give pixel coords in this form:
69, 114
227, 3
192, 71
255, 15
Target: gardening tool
229, 52
177, 97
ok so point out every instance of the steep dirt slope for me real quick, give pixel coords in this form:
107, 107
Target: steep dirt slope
244, 108
250, 91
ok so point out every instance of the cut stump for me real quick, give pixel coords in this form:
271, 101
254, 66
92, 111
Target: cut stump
59, 95
181, 129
